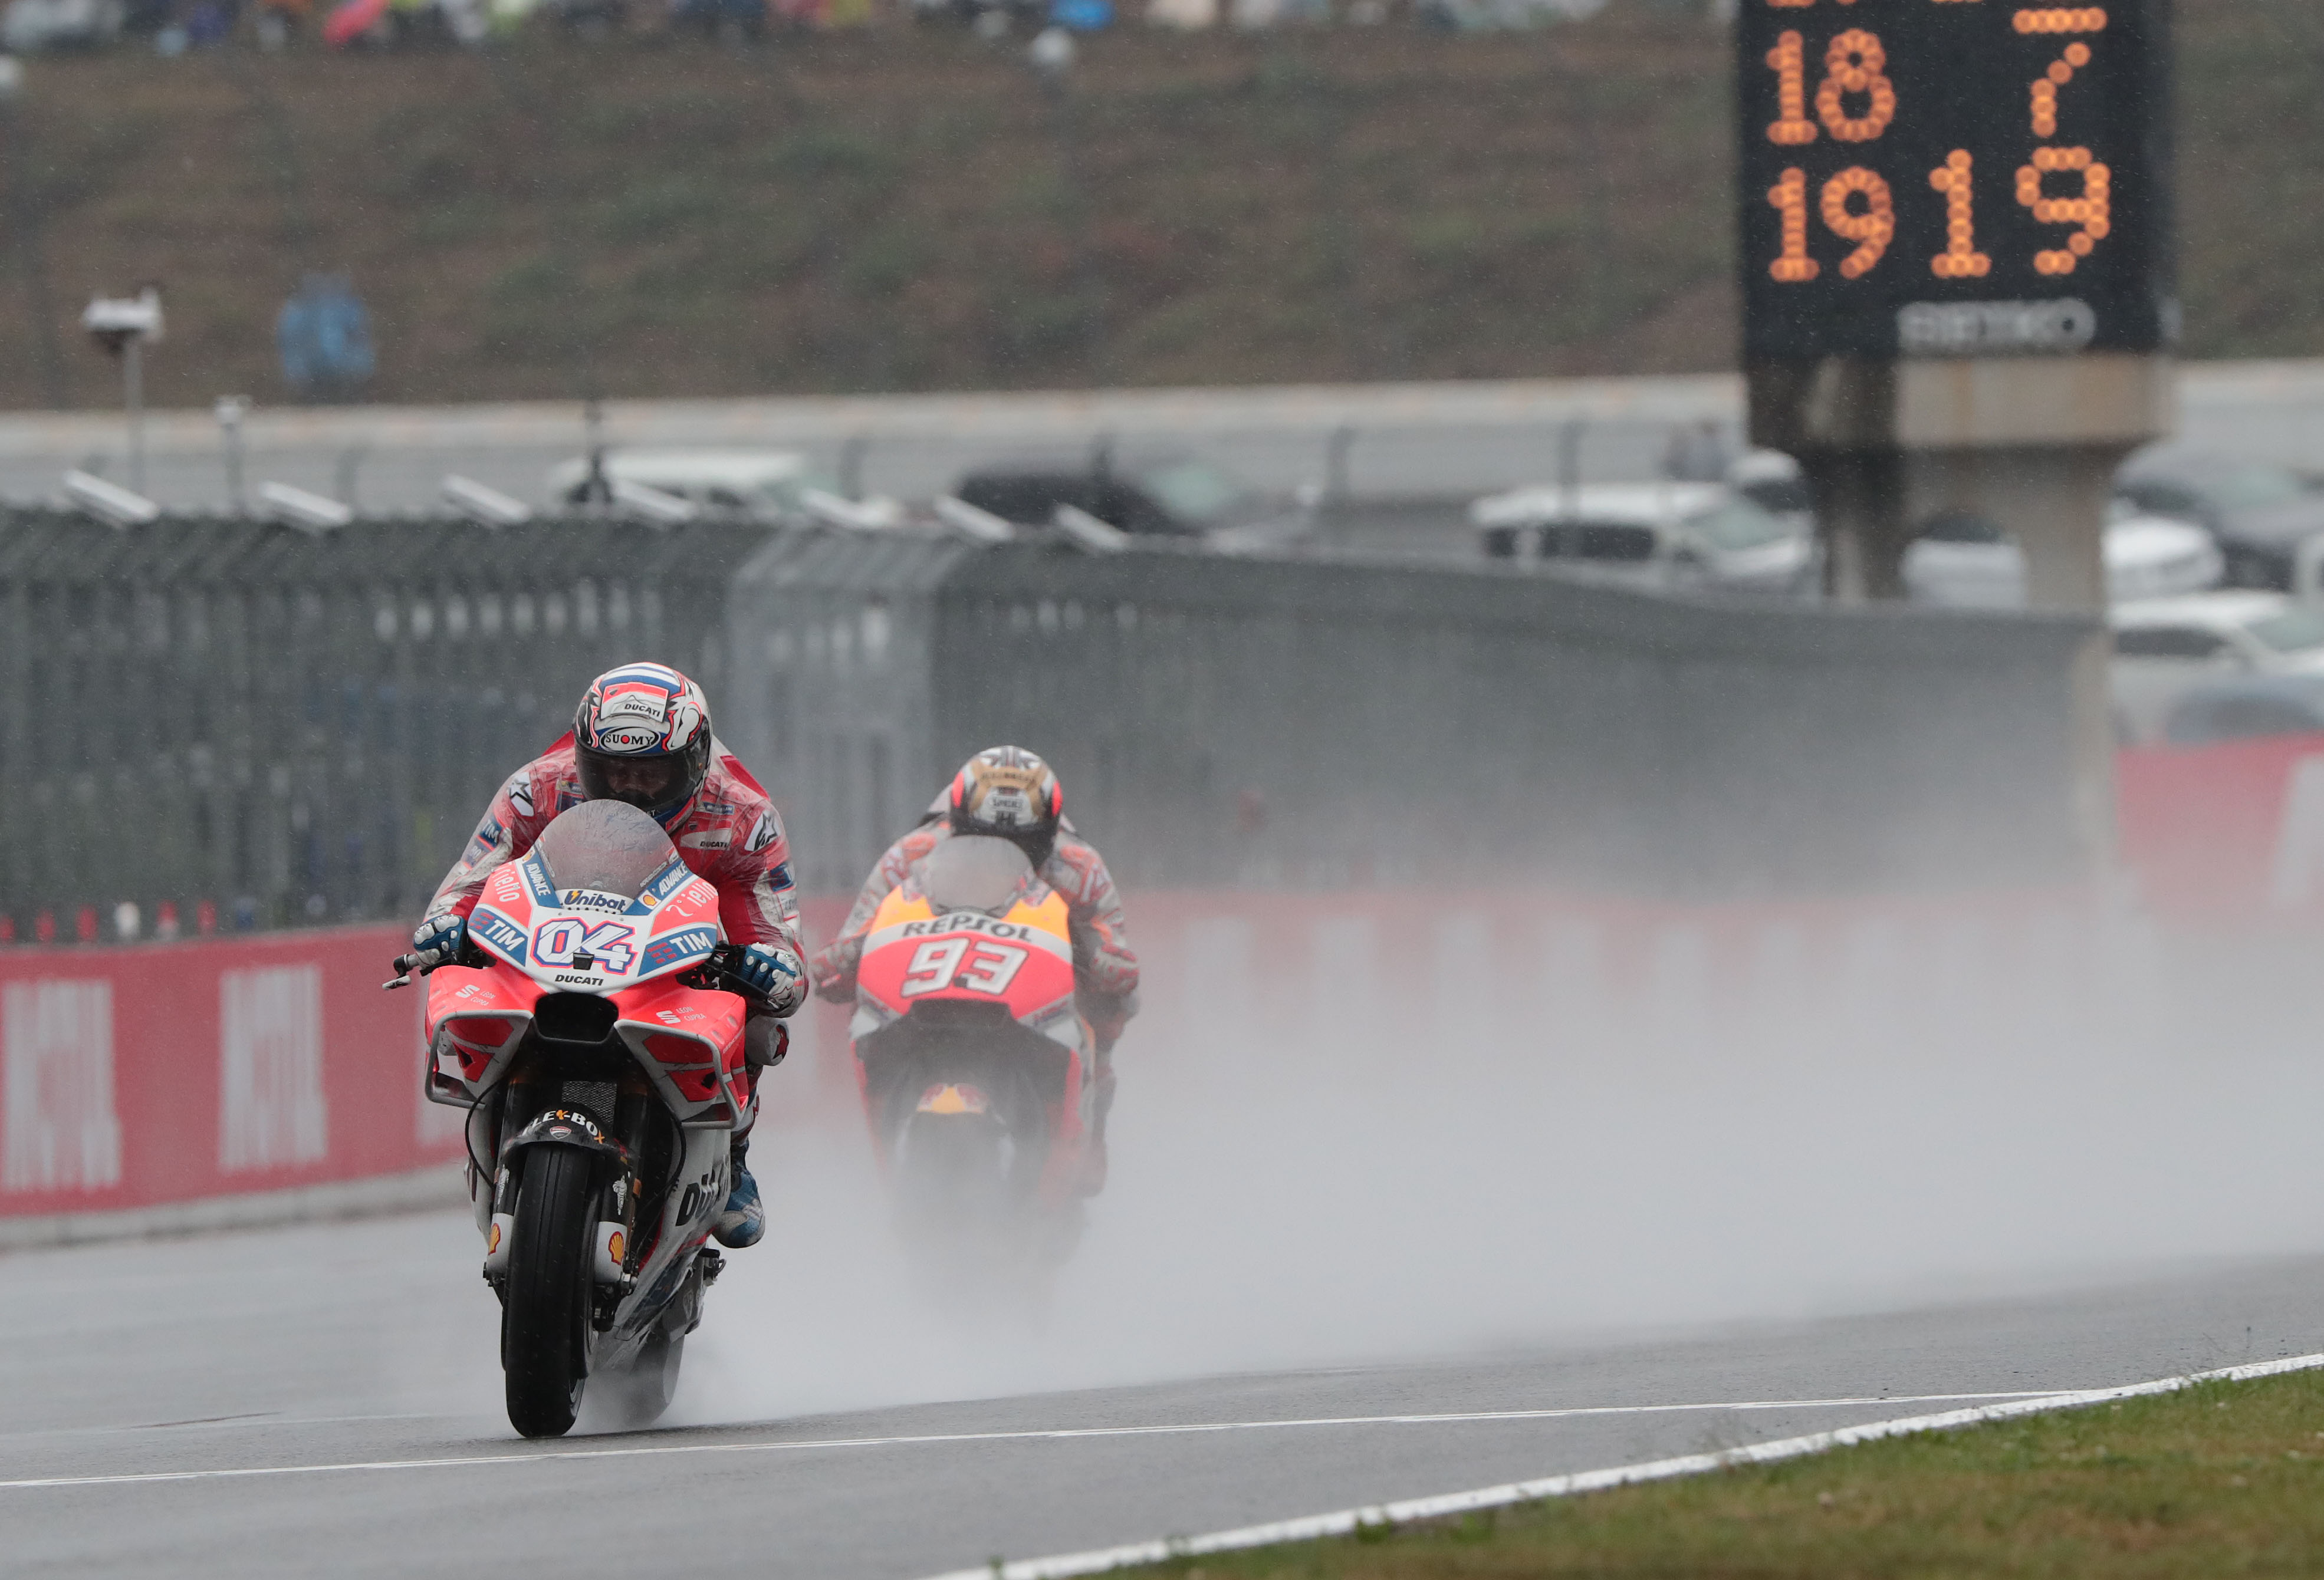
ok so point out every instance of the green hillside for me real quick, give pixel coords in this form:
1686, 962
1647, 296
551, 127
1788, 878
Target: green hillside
901, 209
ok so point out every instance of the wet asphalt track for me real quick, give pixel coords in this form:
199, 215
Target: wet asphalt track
368, 1346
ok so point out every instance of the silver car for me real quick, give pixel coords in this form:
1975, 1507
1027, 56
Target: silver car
2165, 648
1665, 537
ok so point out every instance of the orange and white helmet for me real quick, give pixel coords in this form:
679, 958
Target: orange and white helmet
1006, 791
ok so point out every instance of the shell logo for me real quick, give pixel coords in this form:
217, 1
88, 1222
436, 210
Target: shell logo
492, 1240
616, 1248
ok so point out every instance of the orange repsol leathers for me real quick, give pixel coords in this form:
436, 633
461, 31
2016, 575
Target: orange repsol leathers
729, 834
1106, 971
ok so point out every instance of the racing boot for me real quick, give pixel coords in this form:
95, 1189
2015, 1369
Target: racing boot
743, 1220
1093, 1170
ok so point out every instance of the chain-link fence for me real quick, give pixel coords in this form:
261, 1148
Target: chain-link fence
1244, 720
220, 723
235, 724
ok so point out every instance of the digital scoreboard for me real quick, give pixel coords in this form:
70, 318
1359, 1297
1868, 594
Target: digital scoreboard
1954, 177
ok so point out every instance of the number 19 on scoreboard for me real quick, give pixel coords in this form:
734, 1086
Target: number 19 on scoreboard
1953, 176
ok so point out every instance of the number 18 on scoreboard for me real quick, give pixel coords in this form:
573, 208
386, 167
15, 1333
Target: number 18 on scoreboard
1954, 177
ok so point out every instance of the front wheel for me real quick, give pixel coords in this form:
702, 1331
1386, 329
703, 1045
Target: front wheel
545, 1348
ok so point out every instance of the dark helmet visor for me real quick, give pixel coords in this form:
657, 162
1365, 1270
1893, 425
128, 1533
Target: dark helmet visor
653, 783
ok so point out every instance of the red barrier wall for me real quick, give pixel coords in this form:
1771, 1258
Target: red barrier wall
170, 1072
2221, 830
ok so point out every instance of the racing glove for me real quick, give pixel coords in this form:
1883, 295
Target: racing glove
438, 941
775, 975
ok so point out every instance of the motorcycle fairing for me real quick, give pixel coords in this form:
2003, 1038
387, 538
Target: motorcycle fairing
688, 1040
689, 1043
476, 1020
586, 941
1023, 959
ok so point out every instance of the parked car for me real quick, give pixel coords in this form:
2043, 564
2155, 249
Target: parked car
2260, 513
28, 27
1170, 496
2246, 708
1670, 536
1774, 482
1966, 560
2166, 647
769, 483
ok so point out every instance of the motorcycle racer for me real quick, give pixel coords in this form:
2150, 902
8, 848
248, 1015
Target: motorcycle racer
642, 735
1009, 792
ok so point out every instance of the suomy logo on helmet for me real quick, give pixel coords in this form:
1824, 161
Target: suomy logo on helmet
627, 738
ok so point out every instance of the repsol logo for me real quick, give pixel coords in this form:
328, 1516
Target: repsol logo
965, 922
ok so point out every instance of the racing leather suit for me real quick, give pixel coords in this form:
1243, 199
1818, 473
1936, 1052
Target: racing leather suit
729, 834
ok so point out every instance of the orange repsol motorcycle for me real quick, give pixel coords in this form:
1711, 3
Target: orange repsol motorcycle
976, 1065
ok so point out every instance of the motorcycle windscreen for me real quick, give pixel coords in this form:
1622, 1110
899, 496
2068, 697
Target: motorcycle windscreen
605, 847
976, 872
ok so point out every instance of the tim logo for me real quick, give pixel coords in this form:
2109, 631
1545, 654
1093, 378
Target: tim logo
61, 1131
270, 1109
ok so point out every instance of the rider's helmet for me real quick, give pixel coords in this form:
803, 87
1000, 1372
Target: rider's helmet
642, 735
1006, 791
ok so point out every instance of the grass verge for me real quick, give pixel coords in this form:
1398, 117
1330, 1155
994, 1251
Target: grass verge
2221, 1478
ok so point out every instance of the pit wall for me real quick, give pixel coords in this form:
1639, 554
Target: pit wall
163, 1087
136, 1080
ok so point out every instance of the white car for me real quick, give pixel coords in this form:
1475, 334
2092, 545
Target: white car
28, 25
1668, 536
757, 482
2164, 648
1964, 562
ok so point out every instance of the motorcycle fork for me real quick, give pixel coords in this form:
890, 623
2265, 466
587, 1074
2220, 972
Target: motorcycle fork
618, 1201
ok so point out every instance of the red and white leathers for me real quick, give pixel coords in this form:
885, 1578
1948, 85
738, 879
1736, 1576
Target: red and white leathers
728, 834
1105, 969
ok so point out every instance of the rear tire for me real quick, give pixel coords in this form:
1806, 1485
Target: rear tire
958, 1208
545, 1352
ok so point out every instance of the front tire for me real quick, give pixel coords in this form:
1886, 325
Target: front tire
545, 1352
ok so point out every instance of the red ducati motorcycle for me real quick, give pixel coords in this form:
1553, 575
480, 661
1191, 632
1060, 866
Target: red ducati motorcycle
593, 1035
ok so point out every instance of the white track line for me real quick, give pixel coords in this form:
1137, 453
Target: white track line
1342, 1521
1046, 1435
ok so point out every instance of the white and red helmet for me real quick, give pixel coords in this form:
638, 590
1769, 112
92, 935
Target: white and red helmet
1009, 792
633, 720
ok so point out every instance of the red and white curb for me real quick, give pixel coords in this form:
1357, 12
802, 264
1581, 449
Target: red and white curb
1342, 1521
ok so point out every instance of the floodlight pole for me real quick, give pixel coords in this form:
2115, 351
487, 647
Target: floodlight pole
122, 326
230, 411
133, 396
